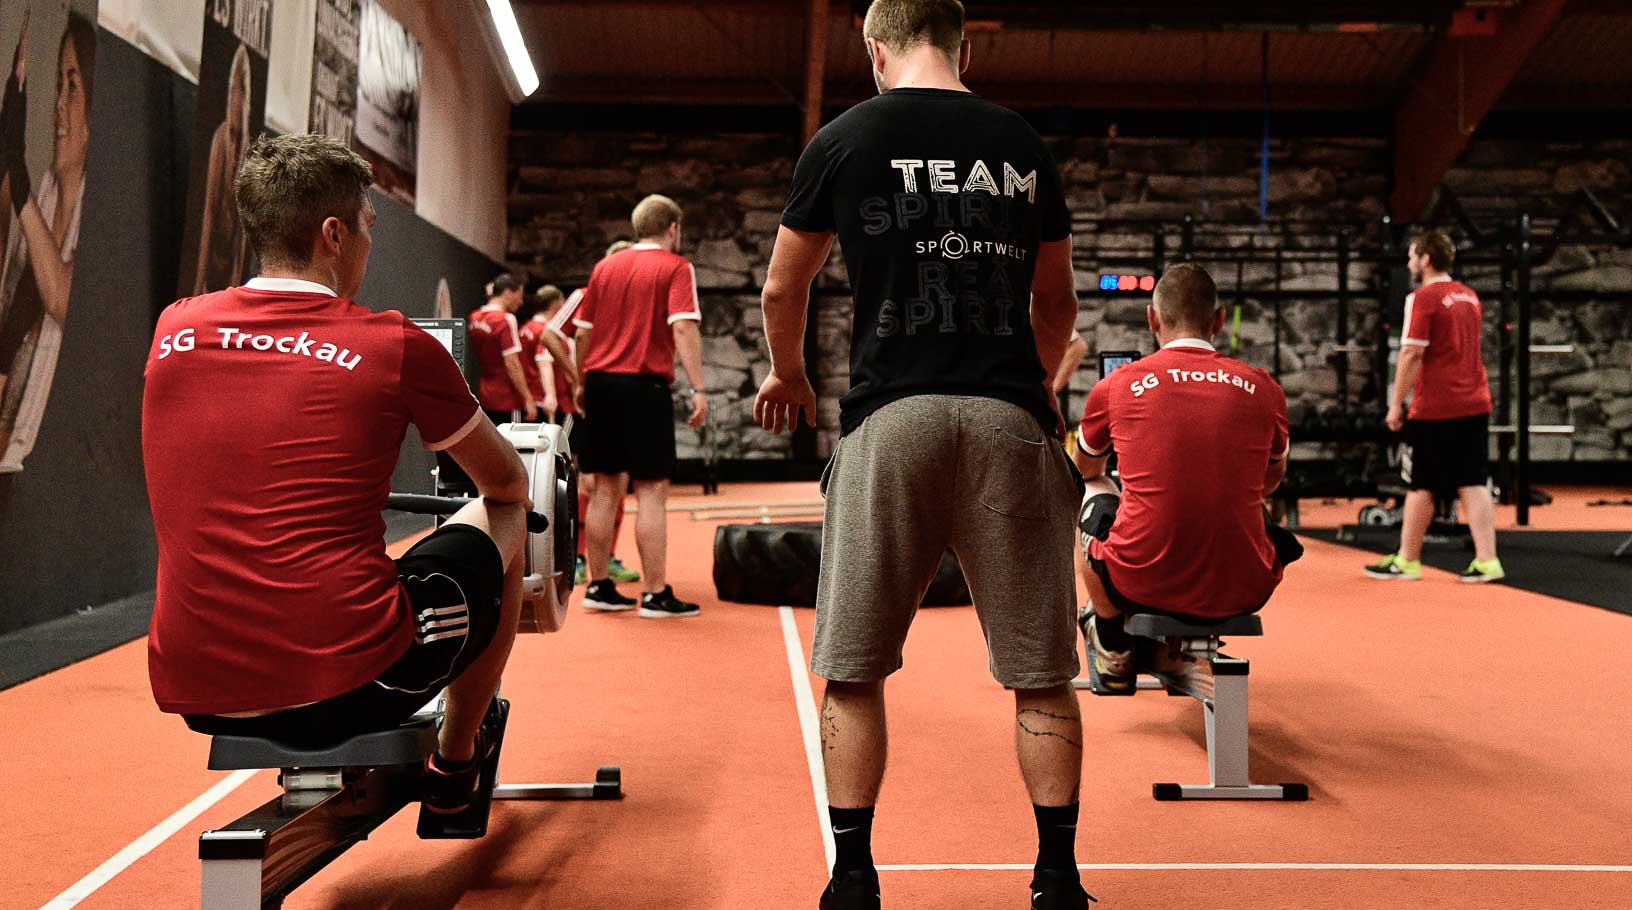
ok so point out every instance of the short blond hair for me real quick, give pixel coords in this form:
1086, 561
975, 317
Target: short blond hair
1186, 297
547, 296
618, 246
905, 24
653, 216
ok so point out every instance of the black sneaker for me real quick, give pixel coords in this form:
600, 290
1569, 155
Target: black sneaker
853, 890
451, 795
603, 597
1051, 890
664, 605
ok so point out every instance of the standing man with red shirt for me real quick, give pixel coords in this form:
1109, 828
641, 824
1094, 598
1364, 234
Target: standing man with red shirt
271, 422
639, 308
1200, 440
503, 389
547, 382
1446, 433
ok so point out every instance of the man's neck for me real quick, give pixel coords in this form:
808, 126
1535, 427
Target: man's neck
1430, 277
494, 303
317, 274
929, 68
660, 242
1167, 338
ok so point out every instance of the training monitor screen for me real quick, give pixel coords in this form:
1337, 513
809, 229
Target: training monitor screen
444, 335
1110, 360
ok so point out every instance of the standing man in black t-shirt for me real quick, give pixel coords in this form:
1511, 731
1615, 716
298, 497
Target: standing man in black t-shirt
957, 241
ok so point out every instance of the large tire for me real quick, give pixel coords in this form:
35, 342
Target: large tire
777, 565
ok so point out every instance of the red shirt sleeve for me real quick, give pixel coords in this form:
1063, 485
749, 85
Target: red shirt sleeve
683, 295
1094, 434
584, 318
1281, 437
1419, 320
434, 390
514, 344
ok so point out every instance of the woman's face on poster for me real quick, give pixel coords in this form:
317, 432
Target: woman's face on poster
73, 110
238, 99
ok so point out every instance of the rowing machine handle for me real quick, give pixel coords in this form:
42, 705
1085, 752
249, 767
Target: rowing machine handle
421, 504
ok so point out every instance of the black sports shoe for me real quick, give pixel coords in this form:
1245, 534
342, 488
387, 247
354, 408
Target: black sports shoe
451, 788
853, 890
1051, 890
664, 605
603, 597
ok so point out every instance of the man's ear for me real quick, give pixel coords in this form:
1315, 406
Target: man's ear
1153, 319
963, 57
1219, 316
878, 53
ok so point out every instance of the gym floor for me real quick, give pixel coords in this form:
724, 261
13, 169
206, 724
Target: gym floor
1463, 747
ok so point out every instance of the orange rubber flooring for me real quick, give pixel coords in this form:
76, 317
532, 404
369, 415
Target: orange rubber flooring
1464, 746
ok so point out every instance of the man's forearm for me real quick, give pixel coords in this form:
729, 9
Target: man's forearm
512, 368
1405, 375
558, 349
688, 341
582, 347
785, 310
1051, 322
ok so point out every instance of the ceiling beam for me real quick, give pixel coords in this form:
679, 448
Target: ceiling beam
656, 89
1459, 81
815, 65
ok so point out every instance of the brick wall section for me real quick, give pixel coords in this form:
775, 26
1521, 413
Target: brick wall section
571, 195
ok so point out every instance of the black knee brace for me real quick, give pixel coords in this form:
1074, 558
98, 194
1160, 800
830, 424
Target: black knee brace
1098, 514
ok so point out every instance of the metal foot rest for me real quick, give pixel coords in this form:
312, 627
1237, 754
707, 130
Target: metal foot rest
1153, 625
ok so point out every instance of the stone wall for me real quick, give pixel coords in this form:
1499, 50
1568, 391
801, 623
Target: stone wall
571, 195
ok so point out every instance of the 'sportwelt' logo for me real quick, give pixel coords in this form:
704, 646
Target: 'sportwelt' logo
955, 246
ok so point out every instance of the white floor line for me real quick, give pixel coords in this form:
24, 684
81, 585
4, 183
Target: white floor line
806, 700
1260, 867
144, 845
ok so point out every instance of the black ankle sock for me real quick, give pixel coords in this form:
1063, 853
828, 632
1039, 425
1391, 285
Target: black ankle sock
1111, 634
1056, 838
852, 838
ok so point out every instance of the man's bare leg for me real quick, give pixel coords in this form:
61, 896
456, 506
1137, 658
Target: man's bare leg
469, 695
1480, 514
854, 748
1419, 513
855, 743
652, 533
606, 497
1048, 740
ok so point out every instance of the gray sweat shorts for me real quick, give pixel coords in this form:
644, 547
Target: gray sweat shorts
935, 471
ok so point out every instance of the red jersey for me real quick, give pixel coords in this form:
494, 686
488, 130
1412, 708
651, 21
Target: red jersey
494, 336
632, 299
271, 421
1446, 319
1194, 432
532, 355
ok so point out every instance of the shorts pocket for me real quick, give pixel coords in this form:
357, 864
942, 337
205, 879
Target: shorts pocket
827, 470
1016, 473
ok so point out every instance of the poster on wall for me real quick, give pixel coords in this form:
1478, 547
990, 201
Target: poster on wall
231, 111
334, 69
49, 50
388, 101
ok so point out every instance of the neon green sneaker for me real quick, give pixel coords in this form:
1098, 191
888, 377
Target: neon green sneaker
580, 576
1482, 572
1392, 566
620, 573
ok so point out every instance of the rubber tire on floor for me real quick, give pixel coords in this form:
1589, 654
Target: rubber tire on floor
776, 564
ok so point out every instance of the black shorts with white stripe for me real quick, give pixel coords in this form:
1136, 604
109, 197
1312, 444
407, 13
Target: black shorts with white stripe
453, 578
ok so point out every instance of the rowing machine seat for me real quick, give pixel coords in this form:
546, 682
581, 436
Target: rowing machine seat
1152, 625
404, 745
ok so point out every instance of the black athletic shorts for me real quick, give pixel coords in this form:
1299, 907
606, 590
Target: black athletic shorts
454, 578
630, 426
1446, 455
1097, 515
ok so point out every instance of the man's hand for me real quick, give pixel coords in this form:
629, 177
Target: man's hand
1059, 419
1395, 419
530, 412
578, 400
551, 405
779, 400
699, 411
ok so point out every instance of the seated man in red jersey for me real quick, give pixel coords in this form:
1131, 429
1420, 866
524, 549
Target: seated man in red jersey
1200, 440
272, 418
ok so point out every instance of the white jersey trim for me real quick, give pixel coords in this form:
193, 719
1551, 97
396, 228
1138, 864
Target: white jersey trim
1410, 300
459, 434
288, 286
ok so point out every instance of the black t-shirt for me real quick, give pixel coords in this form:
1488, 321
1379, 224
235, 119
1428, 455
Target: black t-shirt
940, 200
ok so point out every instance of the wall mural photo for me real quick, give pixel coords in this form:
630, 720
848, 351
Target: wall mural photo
49, 49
